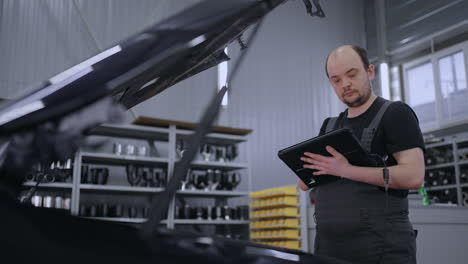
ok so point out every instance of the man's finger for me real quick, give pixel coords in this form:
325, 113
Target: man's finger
308, 160
319, 163
312, 161
302, 185
321, 172
333, 151
317, 157
315, 167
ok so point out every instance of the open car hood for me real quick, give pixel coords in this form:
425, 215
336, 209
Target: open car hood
142, 65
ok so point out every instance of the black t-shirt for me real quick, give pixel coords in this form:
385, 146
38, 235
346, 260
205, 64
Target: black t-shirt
398, 130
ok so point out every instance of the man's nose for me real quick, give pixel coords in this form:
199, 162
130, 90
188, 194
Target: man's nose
346, 83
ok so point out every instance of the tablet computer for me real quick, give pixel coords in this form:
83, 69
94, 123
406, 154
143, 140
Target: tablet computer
343, 140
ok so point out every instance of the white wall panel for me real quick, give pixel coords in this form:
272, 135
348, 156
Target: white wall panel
281, 90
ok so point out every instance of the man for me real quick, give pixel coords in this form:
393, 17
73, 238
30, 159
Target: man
357, 220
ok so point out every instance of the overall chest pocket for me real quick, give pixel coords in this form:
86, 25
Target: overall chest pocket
351, 233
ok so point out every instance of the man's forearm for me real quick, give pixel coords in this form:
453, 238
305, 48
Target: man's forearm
401, 176
408, 174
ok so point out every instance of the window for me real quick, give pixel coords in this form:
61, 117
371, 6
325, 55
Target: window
436, 87
421, 94
453, 87
395, 87
222, 78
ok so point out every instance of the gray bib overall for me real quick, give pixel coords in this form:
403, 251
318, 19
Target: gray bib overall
357, 221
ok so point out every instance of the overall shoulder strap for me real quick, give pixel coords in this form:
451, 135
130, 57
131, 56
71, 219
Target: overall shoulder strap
332, 122
369, 132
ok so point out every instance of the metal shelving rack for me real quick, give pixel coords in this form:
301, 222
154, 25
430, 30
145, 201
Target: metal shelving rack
210, 222
116, 188
54, 185
456, 164
201, 193
169, 133
112, 159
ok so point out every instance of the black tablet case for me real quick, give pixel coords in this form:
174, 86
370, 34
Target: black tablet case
343, 140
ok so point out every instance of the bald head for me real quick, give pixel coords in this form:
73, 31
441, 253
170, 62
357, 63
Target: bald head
347, 49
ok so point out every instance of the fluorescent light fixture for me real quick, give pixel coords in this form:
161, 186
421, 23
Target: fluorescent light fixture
222, 78
384, 81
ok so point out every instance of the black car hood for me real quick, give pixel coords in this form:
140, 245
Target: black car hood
142, 65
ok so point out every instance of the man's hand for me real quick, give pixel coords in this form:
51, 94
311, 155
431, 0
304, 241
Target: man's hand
336, 165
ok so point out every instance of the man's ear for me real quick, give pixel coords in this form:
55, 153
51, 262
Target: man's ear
371, 71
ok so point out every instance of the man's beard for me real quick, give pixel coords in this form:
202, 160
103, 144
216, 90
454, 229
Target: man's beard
360, 100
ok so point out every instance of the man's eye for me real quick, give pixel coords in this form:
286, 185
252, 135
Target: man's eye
351, 74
